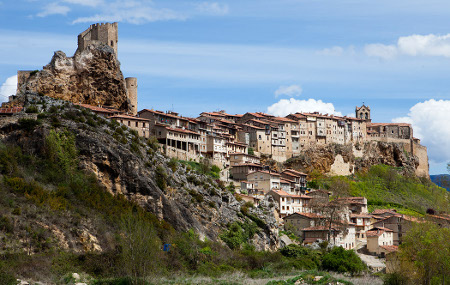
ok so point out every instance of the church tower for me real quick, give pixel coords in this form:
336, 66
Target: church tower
363, 113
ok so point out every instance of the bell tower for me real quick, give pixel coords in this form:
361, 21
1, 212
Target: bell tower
363, 113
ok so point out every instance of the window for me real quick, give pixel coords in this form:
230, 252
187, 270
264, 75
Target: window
137, 124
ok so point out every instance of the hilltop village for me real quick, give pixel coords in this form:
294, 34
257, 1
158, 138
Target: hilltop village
238, 143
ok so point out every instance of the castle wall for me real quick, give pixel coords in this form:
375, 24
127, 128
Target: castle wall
421, 152
131, 83
104, 33
22, 77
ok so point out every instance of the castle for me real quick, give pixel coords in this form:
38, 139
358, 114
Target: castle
100, 33
96, 35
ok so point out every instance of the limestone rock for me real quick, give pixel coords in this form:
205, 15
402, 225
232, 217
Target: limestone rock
92, 76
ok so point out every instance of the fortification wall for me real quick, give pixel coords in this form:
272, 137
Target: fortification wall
100, 33
420, 151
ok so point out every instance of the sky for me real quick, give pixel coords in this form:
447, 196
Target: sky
275, 56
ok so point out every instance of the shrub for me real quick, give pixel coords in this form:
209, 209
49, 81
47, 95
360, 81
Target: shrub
161, 177
341, 260
53, 109
32, 109
28, 124
6, 225
173, 164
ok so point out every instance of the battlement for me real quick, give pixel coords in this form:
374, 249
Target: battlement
99, 33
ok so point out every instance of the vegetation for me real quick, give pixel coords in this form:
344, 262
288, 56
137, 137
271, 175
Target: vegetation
45, 187
341, 260
203, 167
387, 187
423, 257
309, 277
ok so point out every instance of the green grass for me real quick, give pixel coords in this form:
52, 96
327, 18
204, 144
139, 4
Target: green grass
385, 187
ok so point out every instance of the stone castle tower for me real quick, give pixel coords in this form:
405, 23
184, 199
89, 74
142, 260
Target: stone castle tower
363, 112
131, 83
104, 33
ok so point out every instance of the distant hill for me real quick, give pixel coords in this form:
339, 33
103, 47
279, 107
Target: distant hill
442, 180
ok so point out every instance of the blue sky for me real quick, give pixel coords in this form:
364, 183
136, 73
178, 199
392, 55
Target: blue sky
266, 55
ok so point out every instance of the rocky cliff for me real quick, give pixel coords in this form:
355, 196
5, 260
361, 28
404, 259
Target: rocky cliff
338, 159
132, 167
92, 76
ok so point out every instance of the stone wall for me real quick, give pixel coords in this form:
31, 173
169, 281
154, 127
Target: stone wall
103, 33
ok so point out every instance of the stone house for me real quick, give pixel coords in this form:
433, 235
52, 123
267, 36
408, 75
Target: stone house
390, 130
239, 172
356, 205
141, 125
339, 237
101, 111
290, 203
236, 147
240, 158
264, 180
180, 143
216, 149
377, 237
299, 179
362, 224
299, 221
399, 224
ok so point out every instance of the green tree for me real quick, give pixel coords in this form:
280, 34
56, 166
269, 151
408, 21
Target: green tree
424, 255
140, 247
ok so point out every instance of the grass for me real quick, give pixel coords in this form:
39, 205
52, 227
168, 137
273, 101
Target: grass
387, 187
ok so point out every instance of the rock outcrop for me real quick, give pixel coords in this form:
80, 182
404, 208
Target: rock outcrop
92, 76
347, 159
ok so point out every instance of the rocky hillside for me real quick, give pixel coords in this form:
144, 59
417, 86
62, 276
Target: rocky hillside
335, 159
126, 166
92, 76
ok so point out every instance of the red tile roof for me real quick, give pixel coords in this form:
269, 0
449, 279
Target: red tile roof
11, 110
98, 109
308, 215
285, 194
390, 248
129, 117
294, 172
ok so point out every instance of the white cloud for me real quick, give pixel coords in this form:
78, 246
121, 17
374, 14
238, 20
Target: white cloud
54, 9
430, 45
380, 50
291, 90
430, 121
8, 88
285, 107
133, 12
213, 8
89, 3
414, 45
333, 51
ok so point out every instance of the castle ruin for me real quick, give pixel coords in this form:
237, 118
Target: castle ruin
62, 79
100, 33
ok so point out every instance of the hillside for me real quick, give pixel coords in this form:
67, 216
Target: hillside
389, 187
72, 181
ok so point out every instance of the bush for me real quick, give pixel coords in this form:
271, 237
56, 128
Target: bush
28, 124
341, 260
173, 164
32, 109
161, 177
